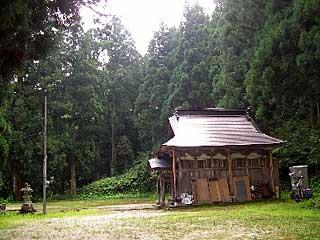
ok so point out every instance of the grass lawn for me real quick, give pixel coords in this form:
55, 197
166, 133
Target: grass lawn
95, 220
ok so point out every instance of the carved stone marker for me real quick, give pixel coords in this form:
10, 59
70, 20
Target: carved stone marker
3, 208
27, 206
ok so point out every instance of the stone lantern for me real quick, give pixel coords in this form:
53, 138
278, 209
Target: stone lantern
27, 206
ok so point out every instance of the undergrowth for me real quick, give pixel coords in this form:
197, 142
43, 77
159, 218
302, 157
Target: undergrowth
314, 202
137, 182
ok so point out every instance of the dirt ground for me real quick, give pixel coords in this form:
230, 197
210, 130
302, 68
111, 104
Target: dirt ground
111, 225
132, 221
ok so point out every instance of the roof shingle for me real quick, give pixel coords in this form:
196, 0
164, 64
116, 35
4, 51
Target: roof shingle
216, 128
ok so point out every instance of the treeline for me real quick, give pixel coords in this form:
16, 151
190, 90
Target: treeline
107, 103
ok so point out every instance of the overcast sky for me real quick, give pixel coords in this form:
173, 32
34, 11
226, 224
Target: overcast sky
142, 17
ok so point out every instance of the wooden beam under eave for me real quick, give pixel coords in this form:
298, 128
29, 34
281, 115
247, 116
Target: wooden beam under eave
247, 165
229, 160
271, 167
174, 174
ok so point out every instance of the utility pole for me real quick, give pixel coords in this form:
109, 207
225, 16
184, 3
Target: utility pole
44, 199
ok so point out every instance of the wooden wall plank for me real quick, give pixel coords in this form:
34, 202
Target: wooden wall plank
230, 173
174, 174
224, 190
214, 188
202, 190
271, 170
237, 192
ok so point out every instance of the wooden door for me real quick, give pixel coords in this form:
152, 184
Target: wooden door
224, 190
242, 188
201, 188
214, 189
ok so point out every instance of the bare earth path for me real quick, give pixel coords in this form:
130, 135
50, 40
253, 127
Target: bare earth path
143, 221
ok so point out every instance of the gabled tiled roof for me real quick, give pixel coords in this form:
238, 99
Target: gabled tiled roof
216, 127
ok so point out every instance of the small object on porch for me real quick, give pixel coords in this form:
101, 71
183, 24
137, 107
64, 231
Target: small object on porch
232, 199
186, 199
260, 191
171, 202
3, 208
27, 206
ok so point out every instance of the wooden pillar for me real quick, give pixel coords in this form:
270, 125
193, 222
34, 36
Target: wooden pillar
271, 170
247, 166
163, 191
180, 177
174, 174
171, 189
158, 187
229, 160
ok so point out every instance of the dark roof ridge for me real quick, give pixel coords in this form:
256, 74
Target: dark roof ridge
212, 111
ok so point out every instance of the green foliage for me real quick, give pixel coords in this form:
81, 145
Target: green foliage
314, 202
280, 65
1, 182
136, 180
29, 29
239, 23
315, 185
149, 106
106, 103
302, 147
190, 85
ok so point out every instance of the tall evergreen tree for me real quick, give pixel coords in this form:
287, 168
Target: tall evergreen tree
190, 84
239, 21
122, 86
153, 92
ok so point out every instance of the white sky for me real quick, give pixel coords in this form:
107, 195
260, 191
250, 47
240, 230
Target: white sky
143, 17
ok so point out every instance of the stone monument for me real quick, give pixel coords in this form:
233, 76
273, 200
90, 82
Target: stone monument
3, 208
27, 206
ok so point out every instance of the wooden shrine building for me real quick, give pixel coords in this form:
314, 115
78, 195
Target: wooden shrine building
216, 155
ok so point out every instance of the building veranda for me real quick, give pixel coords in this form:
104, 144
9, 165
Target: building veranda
215, 155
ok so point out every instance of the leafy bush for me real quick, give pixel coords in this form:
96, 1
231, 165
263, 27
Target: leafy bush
136, 180
314, 202
302, 147
315, 185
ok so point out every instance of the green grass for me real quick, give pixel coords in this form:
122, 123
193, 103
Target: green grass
273, 219
15, 219
72, 203
67, 208
281, 219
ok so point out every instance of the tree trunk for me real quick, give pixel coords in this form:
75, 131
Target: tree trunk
114, 150
114, 132
63, 179
98, 167
15, 165
312, 118
73, 179
318, 114
16, 182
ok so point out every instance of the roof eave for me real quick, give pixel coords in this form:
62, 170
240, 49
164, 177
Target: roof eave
252, 146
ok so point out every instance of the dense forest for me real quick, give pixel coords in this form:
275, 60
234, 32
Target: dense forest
107, 104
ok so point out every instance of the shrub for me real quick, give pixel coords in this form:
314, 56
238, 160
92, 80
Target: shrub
136, 180
314, 202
